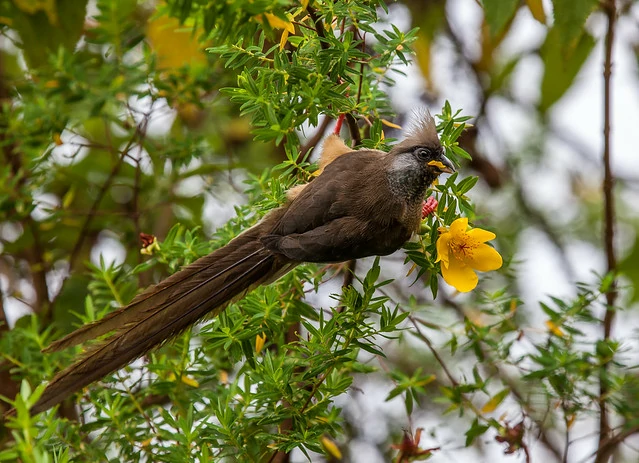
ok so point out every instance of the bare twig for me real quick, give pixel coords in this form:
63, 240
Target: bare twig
610, 10
84, 231
353, 129
361, 69
39, 268
439, 359
317, 136
607, 447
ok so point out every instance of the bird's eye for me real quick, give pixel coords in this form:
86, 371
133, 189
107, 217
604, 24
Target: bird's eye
423, 153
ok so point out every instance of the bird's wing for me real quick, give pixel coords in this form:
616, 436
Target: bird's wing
343, 214
339, 240
330, 196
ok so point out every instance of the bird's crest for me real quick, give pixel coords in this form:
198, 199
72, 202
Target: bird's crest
421, 132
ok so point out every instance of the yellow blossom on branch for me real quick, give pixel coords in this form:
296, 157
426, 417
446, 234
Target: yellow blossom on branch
463, 250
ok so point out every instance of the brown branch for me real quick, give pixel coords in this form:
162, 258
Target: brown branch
84, 231
609, 446
353, 129
319, 27
135, 213
34, 256
8, 387
439, 359
317, 136
494, 176
39, 268
609, 228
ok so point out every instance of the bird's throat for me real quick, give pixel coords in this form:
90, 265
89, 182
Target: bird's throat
408, 178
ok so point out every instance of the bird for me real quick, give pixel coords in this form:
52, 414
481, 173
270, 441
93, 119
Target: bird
363, 203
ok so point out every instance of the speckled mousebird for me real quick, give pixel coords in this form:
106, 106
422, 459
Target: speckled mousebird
363, 203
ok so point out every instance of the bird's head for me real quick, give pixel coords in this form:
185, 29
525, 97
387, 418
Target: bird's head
419, 159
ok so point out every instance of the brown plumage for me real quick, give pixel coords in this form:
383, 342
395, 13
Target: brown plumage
363, 203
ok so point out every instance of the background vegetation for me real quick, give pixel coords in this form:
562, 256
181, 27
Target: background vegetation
121, 117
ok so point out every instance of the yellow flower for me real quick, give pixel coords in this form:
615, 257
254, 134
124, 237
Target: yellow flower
462, 251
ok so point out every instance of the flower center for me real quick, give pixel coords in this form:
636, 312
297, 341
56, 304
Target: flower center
463, 246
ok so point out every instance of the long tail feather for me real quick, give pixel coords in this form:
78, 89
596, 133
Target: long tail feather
207, 286
127, 314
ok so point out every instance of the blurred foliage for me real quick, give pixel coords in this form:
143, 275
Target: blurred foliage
120, 117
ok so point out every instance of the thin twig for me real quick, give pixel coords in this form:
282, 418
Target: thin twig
105, 186
609, 228
353, 129
317, 136
440, 360
39, 268
608, 447
566, 441
361, 70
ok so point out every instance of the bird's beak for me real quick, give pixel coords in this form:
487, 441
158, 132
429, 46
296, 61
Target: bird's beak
444, 165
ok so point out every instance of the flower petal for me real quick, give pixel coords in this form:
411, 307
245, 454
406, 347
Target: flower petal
459, 226
481, 235
442, 247
484, 258
459, 275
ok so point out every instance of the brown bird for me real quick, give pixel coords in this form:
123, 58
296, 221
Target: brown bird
363, 203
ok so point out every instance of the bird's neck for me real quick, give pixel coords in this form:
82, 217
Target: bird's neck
407, 177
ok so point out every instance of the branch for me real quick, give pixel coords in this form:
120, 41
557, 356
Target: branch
317, 136
609, 229
39, 268
353, 129
439, 359
139, 133
84, 231
319, 27
608, 446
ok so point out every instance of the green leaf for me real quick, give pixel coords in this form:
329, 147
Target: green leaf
561, 66
372, 275
44, 30
570, 17
369, 348
475, 431
9, 455
466, 185
409, 403
498, 13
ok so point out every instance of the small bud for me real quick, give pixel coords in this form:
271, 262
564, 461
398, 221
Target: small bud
260, 339
429, 206
149, 244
